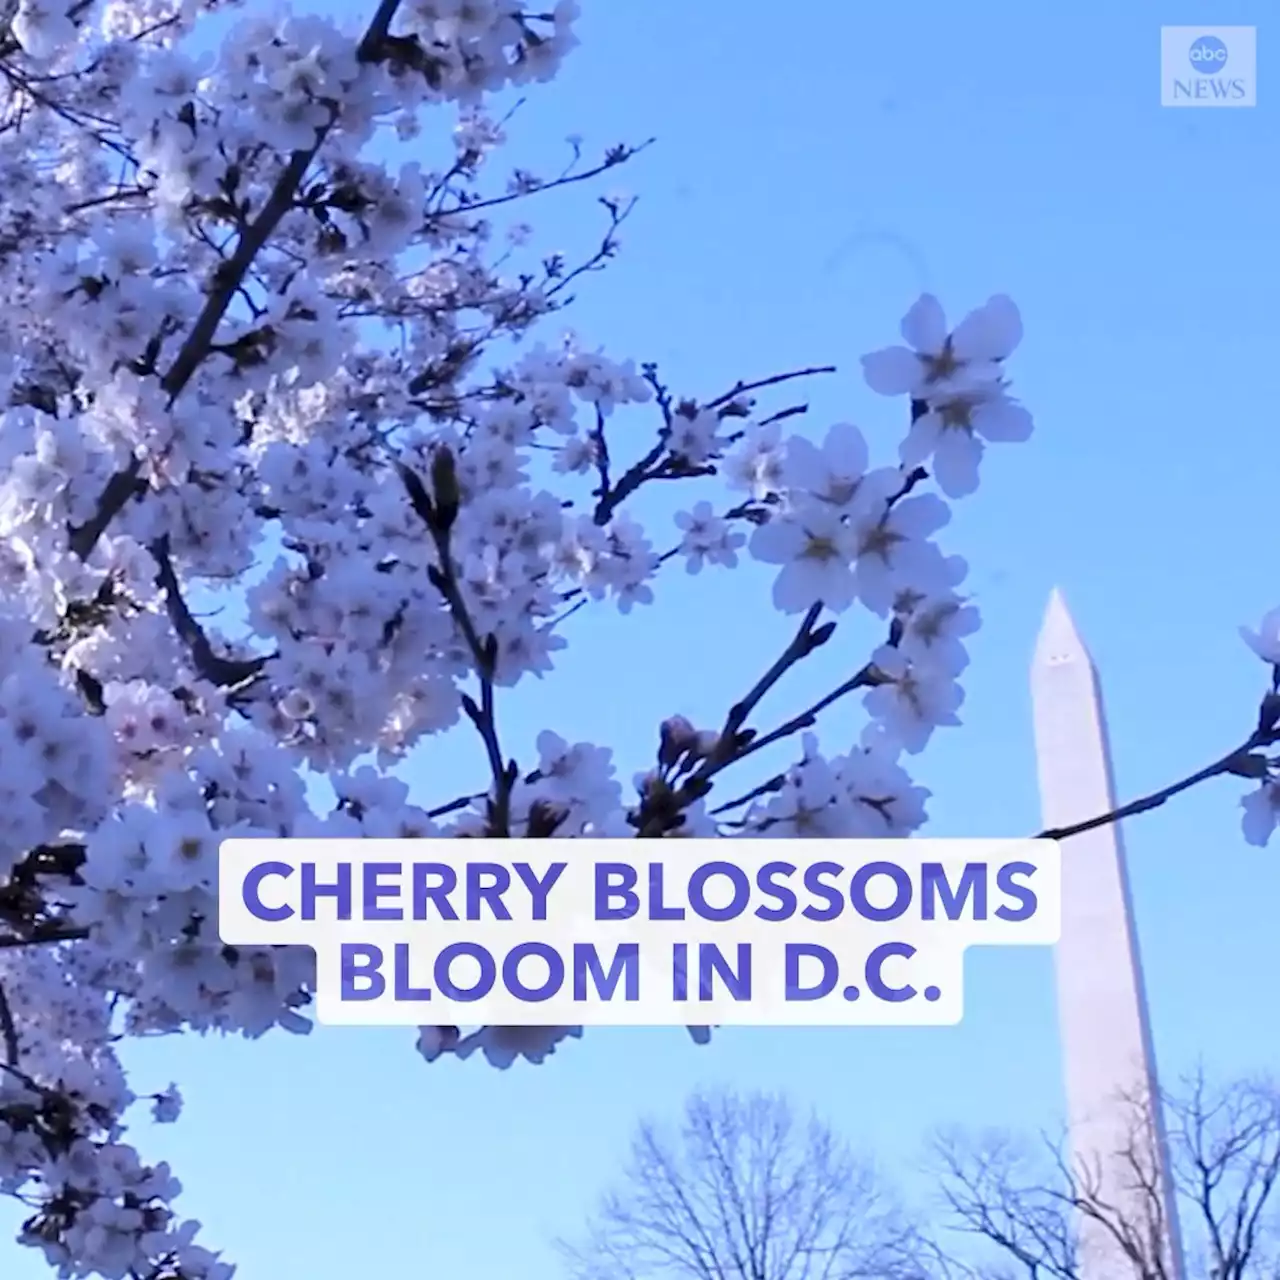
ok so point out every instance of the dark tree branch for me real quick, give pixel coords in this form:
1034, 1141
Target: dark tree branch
226, 673
662, 806
438, 513
740, 389
1224, 1152
1240, 763
8, 1030
225, 284
865, 678
654, 465
613, 158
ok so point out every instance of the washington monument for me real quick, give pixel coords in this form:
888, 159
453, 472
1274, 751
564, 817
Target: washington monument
1116, 1139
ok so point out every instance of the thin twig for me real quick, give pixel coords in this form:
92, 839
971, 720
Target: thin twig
765, 788
614, 158
650, 466
805, 720
661, 809
803, 643
461, 802
1231, 763
745, 388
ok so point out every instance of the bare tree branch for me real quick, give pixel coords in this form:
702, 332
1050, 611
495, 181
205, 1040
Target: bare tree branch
743, 1191
1030, 1206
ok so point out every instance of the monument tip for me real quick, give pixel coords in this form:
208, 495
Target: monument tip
1059, 641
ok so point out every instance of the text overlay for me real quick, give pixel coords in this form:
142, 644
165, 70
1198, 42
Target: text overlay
632, 933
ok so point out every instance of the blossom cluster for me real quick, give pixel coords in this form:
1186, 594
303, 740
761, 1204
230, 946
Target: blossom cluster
243, 348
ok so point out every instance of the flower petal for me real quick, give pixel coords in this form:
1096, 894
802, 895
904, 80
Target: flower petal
924, 327
921, 440
991, 332
955, 464
846, 451
894, 371
1002, 421
805, 467
777, 542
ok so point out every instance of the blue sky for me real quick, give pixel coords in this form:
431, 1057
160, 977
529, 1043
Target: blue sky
816, 168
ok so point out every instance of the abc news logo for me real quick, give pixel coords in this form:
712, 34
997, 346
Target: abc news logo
1208, 68
1208, 55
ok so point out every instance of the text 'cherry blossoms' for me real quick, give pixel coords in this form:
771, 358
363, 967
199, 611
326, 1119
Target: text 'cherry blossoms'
830, 932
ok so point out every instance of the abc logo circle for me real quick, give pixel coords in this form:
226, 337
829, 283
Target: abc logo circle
1208, 56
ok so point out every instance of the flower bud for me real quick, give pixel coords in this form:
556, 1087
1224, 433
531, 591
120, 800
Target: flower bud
675, 738
444, 483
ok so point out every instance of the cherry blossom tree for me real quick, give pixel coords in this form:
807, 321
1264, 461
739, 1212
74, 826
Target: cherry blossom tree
232, 335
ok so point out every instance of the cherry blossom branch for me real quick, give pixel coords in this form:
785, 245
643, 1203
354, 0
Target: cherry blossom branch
22, 904
740, 389
734, 745
662, 805
752, 512
765, 788
806, 719
864, 679
602, 459
653, 465
223, 286
454, 805
614, 157
1240, 763
803, 643
223, 672
438, 513
604, 253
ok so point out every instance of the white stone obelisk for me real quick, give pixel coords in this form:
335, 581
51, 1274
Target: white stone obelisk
1108, 1064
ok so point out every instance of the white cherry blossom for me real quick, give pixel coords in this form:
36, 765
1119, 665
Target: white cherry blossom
936, 362
815, 548
832, 473
755, 465
892, 548
1261, 813
708, 539
1265, 641
912, 698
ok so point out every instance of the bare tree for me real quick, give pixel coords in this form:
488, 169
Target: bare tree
1028, 1203
742, 1190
